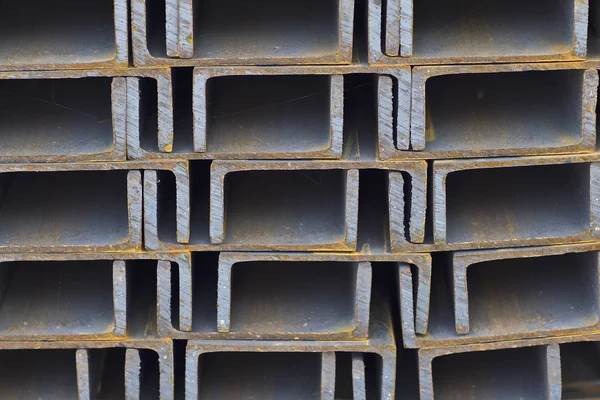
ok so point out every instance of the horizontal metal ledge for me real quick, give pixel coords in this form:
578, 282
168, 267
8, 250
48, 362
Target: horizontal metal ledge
187, 33
67, 35
443, 32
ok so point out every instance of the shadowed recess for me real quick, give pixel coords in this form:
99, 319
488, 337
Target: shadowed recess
508, 110
474, 28
286, 297
56, 298
495, 374
38, 374
58, 32
516, 203
64, 209
41, 117
260, 376
265, 28
293, 207
269, 113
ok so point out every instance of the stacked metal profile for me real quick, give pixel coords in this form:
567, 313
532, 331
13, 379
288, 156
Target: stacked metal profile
283, 199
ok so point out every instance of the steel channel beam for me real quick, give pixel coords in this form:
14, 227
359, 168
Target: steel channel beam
532, 201
223, 369
192, 33
469, 32
190, 307
502, 110
507, 294
105, 196
549, 367
69, 369
497, 370
74, 116
359, 113
67, 35
216, 216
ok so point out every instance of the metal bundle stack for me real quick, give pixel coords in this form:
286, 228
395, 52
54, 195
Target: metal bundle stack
282, 199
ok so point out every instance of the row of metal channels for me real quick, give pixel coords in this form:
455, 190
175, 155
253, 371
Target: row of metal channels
300, 209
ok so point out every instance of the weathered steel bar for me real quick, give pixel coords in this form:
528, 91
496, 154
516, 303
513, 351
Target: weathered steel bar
191, 298
236, 32
503, 110
504, 294
489, 203
496, 370
62, 116
67, 35
87, 370
236, 205
94, 206
224, 369
454, 32
351, 112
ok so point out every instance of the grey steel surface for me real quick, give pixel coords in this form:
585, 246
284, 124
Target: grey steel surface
457, 32
236, 32
68, 34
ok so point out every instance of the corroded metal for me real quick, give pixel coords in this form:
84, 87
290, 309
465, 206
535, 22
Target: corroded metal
85, 207
502, 110
132, 369
489, 203
239, 215
197, 302
186, 33
74, 116
337, 112
107, 296
471, 32
64, 35
498, 295
306, 368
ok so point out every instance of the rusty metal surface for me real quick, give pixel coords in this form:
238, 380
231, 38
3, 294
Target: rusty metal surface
235, 216
471, 32
85, 207
503, 110
531, 368
199, 300
226, 369
187, 33
64, 35
132, 369
277, 112
481, 296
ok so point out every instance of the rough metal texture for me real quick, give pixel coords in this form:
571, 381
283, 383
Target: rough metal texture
306, 370
458, 32
85, 207
68, 34
555, 368
193, 295
74, 116
489, 203
131, 369
108, 296
348, 112
317, 212
504, 294
503, 110
264, 32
